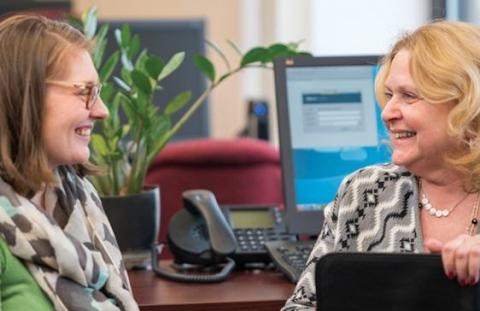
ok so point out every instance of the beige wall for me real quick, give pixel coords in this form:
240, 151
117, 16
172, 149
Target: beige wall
227, 108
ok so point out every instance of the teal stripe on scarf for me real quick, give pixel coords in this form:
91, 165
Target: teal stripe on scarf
7, 207
102, 279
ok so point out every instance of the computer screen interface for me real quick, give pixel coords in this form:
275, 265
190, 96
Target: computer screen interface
330, 126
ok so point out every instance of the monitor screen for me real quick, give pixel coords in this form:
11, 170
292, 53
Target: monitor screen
330, 126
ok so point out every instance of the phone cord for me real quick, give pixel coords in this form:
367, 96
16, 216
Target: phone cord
190, 278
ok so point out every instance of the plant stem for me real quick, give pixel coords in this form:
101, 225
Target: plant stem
168, 135
115, 183
139, 155
194, 107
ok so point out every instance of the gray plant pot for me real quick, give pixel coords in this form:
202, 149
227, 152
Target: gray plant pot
135, 220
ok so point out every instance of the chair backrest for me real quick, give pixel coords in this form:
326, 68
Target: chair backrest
376, 281
237, 171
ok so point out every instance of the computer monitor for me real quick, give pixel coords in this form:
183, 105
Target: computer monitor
329, 126
165, 38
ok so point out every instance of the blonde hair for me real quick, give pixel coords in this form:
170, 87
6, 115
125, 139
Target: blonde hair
32, 49
445, 66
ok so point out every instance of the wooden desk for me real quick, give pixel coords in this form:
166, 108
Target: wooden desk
253, 290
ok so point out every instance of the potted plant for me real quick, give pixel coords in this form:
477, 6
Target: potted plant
125, 151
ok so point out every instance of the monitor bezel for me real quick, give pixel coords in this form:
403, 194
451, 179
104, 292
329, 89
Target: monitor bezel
305, 222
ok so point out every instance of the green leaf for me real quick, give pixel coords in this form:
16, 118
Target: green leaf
106, 93
118, 36
100, 45
258, 54
122, 84
178, 102
164, 124
123, 98
206, 66
141, 81
154, 66
134, 46
125, 74
117, 136
113, 108
90, 23
107, 69
172, 65
99, 144
126, 62
102, 33
97, 54
141, 60
129, 111
126, 35
278, 49
294, 45
137, 172
125, 130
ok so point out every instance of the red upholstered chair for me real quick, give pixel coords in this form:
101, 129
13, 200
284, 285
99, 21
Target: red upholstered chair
237, 171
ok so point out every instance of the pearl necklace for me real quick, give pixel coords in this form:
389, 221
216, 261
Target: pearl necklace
438, 212
471, 228
425, 202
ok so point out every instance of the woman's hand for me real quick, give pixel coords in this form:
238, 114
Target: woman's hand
460, 257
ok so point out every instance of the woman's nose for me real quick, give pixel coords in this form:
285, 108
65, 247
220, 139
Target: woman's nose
391, 111
99, 110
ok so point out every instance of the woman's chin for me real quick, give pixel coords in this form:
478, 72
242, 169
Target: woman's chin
401, 160
78, 158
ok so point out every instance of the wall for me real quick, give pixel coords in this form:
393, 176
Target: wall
227, 107
364, 27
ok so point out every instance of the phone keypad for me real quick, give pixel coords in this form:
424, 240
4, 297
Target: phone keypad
252, 240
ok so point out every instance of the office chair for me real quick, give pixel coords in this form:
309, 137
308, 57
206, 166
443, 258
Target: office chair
387, 281
237, 171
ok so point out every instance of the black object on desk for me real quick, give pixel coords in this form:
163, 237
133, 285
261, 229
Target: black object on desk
253, 226
207, 242
374, 281
290, 257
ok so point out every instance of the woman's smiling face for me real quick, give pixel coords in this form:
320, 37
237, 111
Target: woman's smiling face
418, 129
67, 122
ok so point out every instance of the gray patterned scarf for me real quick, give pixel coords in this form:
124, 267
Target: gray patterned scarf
68, 247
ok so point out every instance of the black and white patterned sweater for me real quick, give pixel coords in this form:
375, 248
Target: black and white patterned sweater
375, 210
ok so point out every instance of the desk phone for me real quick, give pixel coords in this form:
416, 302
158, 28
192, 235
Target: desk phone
252, 227
204, 237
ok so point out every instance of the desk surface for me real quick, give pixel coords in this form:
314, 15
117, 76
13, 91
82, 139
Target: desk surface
253, 290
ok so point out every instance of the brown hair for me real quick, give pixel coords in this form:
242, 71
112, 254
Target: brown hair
445, 66
32, 49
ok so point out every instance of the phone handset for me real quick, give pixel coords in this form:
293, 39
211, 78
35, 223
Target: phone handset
203, 202
200, 235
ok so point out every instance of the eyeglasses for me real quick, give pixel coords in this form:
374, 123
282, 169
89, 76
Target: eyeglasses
91, 90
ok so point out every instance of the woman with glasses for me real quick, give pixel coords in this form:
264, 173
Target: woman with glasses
57, 249
428, 198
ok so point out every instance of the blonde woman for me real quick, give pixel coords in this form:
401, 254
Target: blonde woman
427, 199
